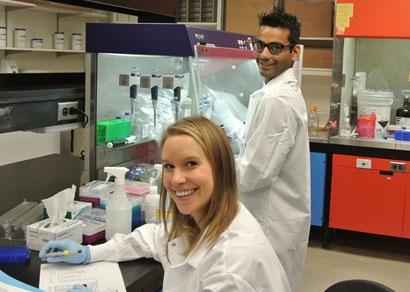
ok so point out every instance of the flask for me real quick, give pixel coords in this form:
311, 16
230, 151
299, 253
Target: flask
118, 209
313, 120
345, 129
152, 205
403, 113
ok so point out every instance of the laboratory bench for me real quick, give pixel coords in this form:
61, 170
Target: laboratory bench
142, 275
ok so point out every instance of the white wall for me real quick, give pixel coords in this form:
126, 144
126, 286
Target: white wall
19, 146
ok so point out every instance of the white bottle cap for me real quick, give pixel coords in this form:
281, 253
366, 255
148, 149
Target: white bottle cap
153, 190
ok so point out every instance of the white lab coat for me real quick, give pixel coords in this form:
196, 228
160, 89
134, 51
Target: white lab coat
242, 259
274, 169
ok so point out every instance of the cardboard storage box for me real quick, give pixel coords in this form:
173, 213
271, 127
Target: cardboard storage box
39, 233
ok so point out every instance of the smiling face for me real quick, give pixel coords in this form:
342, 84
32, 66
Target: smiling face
187, 175
271, 65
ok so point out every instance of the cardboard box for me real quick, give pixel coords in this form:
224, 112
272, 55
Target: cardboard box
39, 233
316, 17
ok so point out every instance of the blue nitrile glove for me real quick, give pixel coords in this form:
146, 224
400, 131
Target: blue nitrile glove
79, 288
77, 253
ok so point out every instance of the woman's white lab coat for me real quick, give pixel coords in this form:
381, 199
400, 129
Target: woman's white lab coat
242, 259
274, 169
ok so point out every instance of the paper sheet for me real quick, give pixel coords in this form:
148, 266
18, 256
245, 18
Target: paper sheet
99, 277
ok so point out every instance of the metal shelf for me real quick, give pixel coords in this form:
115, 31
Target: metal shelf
317, 42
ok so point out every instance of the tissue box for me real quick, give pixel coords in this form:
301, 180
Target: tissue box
39, 234
74, 209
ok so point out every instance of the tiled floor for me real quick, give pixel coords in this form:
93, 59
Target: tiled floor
354, 255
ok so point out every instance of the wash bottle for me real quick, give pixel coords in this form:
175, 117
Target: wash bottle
118, 209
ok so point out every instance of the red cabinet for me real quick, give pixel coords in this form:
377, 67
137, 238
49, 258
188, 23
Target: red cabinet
367, 197
372, 18
406, 219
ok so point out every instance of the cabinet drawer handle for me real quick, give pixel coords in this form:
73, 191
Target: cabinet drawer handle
386, 172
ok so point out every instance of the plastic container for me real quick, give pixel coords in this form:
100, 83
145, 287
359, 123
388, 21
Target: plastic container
378, 103
93, 191
313, 120
95, 214
14, 254
36, 43
118, 209
112, 130
136, 208
366, 126
345, 130
59, 40
136, 188
20, 37
76, 41
3, 36
92, 230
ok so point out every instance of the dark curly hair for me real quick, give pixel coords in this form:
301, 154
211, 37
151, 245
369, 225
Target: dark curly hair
280, 18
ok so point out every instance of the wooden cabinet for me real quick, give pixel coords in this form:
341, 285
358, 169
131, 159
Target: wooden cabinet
367, 196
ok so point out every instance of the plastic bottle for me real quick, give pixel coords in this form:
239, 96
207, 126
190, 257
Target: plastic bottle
152, 205
141, 124
119, 209
345, 130
313, 120
127, 115
403, 113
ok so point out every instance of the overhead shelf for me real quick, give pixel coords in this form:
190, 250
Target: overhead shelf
52, 7
12, 5
13, 50
317, 71
318, 42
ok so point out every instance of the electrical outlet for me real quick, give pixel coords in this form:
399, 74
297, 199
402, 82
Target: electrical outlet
397, 166
63, 111
363, 163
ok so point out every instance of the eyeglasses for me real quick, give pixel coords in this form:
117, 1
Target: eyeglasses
274, 48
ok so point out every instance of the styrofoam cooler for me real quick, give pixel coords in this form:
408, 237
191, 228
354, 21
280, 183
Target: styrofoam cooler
376, 102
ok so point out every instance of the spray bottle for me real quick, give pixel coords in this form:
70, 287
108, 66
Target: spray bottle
118, 209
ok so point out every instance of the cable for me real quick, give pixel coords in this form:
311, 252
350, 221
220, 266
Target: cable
72, 141
74, 111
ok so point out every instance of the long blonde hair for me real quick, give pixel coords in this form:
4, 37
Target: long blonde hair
223, 205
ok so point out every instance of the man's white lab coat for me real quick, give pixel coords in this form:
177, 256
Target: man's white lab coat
274, 169
242, 259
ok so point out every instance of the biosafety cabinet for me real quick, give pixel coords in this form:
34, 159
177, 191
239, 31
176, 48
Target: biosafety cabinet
142, 77
371, 75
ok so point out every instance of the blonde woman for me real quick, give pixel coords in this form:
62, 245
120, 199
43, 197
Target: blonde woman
213, 243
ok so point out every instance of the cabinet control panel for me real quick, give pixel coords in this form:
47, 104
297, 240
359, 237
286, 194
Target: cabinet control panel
398, 166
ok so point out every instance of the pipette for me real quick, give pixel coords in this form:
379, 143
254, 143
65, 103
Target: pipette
177, 93
156, 81
62, 253
134, 83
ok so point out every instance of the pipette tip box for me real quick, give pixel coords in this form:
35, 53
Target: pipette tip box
14, 254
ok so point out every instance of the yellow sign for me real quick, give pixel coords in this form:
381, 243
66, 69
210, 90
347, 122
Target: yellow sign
343, 13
